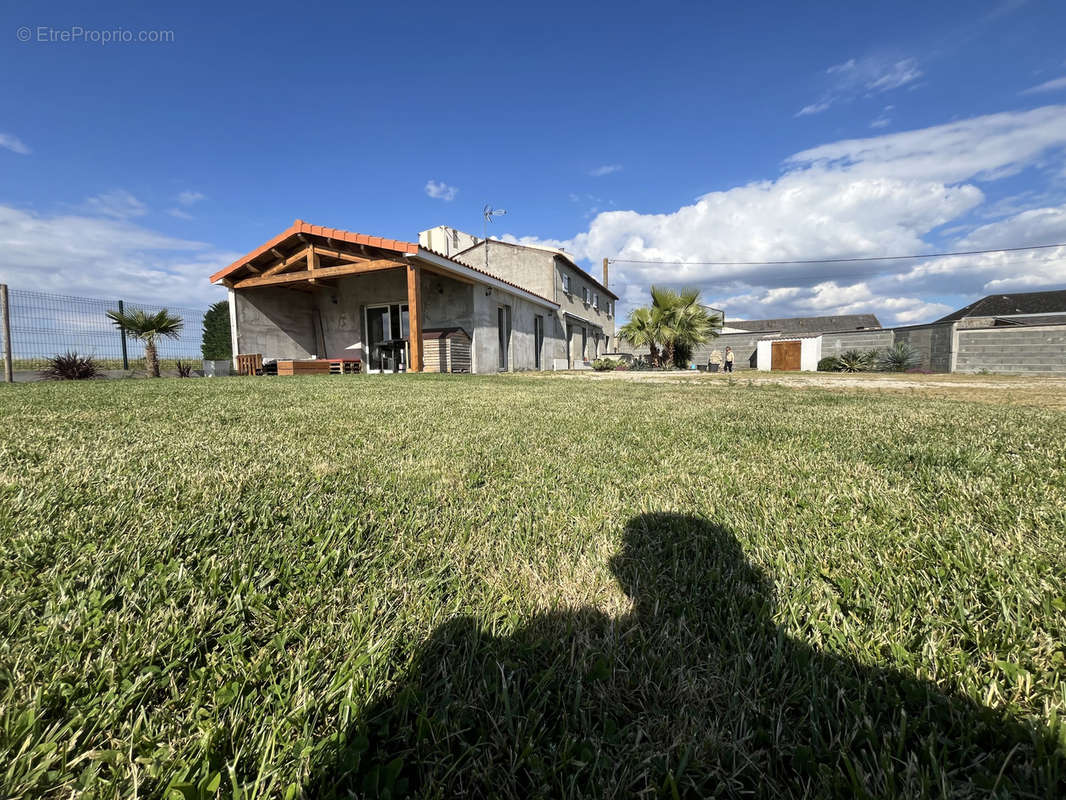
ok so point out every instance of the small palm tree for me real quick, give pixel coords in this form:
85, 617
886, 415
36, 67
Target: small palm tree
640, 331
683, 321
139, 324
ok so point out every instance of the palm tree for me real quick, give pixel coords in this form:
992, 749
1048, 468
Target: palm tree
684, 322
139, 324
640, 331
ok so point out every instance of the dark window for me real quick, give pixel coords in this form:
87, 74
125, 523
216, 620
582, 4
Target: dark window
503, 322
538, 339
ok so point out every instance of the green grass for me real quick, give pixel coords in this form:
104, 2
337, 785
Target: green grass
528, 587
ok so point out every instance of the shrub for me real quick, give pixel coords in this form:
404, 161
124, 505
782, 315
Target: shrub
898, 358
604, 364
621, 366
70, 366
829, 364
854, 361
217, 345
184, 370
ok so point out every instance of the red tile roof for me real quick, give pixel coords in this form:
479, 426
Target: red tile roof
299, 226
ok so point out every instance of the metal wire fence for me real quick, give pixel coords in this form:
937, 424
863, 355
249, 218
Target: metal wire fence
43, 325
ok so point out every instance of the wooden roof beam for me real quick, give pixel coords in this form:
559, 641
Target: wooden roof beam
316, 274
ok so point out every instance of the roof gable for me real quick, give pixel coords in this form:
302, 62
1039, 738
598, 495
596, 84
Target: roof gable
1004, 305
841, 322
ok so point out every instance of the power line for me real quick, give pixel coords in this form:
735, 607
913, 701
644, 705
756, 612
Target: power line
835, 260
873, 272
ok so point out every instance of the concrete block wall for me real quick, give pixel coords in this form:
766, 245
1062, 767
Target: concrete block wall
744, 349
1020, 350
833, 344
933, 343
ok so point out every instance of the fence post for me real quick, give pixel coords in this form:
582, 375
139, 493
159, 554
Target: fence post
5, 312
122, 333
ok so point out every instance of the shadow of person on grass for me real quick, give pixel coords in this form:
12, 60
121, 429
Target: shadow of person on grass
697, 692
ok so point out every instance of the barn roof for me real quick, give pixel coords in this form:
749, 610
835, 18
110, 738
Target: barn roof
795, 325
1004, 305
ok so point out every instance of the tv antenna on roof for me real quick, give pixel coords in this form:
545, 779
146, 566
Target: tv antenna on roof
488, 212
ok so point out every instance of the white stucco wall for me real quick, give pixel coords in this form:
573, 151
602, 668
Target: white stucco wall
810, 354
762, 355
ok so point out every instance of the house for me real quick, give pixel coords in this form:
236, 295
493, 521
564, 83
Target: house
322, 293
583, 325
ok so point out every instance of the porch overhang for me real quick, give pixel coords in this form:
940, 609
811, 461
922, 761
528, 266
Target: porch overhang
309, 258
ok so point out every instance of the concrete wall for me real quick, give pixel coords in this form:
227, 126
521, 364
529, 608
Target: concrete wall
531, 269
541, 272
744, 349
833, 344
574, 302
275, 322
279, 322
485, 351
1035, 349
933, 343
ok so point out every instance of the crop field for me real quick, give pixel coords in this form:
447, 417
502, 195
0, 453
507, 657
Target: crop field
517, 587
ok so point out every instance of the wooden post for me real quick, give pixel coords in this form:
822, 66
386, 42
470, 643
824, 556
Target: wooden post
605, 274
414, 315
122, 338
5, 312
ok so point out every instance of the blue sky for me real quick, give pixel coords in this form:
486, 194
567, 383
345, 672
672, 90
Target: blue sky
673, 131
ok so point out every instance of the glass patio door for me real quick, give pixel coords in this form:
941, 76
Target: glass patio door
386, 324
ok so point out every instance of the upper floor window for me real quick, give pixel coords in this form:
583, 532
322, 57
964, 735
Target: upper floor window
586, 295
596, 300
566, 283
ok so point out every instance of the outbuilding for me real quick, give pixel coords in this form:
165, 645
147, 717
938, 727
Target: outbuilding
790, 352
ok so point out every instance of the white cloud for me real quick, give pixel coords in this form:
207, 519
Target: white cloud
190, 198
890, 194
895, 75
179, 213
441, 191
606, 169
871, 75
14, 144
103, 256
814, 108
118, 204
982, 148
1047, 86
883, 120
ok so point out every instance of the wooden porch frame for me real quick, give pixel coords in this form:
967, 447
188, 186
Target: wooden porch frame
311, 275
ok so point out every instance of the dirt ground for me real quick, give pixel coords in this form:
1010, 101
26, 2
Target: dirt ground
1001, 389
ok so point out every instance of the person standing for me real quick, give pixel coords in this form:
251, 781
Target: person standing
729, 359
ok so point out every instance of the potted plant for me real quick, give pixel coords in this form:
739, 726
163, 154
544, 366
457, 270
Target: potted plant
217, 348
715, 362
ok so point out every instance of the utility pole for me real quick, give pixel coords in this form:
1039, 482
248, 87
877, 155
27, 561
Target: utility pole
605, 274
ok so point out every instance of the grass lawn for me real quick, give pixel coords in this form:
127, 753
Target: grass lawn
523, 586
